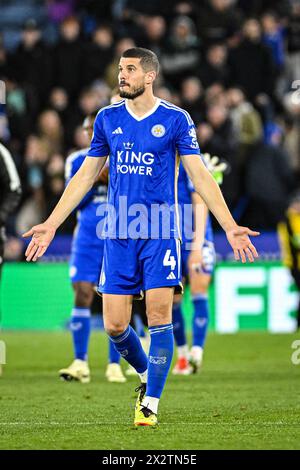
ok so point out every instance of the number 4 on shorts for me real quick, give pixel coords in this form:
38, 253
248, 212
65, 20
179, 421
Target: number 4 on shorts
169, 260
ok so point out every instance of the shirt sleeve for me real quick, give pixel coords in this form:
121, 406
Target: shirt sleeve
71, 167
186, 137
99, 145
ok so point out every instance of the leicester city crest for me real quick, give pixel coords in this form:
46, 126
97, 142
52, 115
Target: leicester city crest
158, 130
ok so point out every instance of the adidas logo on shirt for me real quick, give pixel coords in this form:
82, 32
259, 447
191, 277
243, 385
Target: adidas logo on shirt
118, 131
171, 276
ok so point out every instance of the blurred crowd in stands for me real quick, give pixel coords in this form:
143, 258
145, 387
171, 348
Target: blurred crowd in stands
233, 64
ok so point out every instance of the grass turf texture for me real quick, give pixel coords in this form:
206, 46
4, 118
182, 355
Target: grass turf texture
246, 397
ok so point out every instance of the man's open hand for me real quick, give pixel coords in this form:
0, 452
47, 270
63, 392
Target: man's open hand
240, 242
42, 236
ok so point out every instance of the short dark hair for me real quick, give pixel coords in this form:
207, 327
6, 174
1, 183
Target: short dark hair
149, 60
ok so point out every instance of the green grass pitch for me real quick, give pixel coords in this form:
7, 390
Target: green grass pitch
246, 397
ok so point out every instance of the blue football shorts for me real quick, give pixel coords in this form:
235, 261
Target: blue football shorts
132, 266
208, 259
85, 265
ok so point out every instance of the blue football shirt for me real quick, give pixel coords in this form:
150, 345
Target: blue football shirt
89, 213
143, 167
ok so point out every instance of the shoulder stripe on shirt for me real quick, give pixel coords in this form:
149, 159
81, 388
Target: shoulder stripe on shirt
176, 108
76, 154
114, 105
168, 105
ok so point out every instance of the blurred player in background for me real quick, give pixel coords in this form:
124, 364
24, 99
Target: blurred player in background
10, 193
198, 259
10, 196
85, 267
144, 137
289, 235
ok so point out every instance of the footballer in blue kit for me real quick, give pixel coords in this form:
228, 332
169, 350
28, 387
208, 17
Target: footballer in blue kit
142, 222
198, 259
87, 249
145, 138
85, 267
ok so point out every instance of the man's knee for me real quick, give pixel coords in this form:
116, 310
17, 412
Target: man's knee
159, 313
199, 284
84, 294
199, 289
114, 328
116, 313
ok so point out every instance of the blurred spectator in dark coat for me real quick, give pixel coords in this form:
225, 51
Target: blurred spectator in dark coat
98, 54
247, 127
218, 21
215, 94
215, 68
192, 98
21, 109
31, 63
87, 104
68, 58
59, 102
155, 31
251, 64
101, 10
181, 56
270, 182
4, 66
217, 137
149, 7
257, 7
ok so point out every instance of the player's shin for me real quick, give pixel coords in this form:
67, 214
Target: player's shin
130, 348
160, 358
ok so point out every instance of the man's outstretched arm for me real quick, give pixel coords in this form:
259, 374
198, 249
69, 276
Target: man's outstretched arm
209, 190
79, 185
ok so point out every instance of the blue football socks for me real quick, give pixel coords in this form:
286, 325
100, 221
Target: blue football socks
200, 320
160, 358
178, 325
80, 326
130, 348
113, 355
